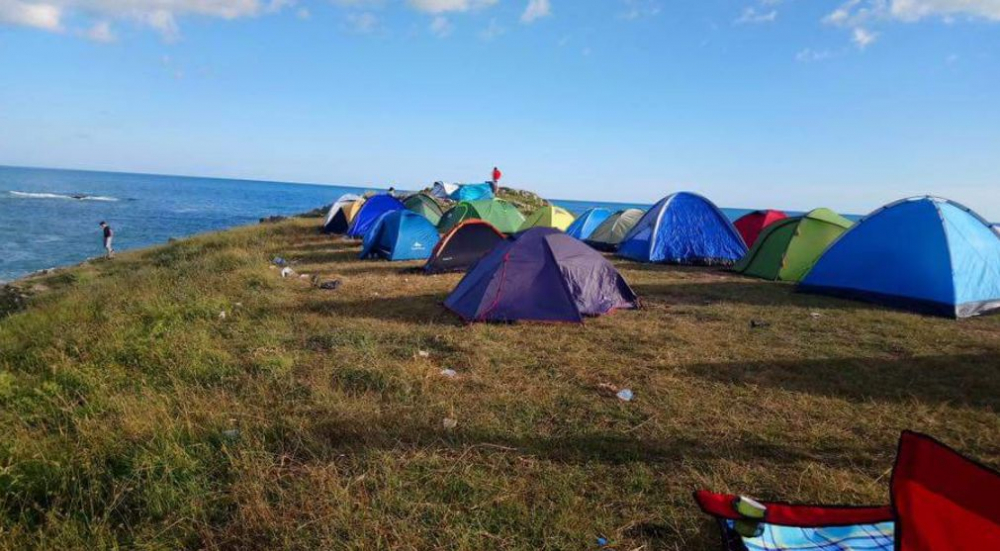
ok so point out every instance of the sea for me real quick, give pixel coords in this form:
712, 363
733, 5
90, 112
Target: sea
50, 217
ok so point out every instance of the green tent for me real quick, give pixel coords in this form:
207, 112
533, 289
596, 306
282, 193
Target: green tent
424, 205
610, 233
788, 248
503, 215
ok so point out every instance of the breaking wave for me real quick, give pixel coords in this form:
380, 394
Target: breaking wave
75, 196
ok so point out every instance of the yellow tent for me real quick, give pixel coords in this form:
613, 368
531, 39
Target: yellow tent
351, 209
548, 217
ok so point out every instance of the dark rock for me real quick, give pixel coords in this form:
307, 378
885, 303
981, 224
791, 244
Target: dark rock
12, 300
329, 285
273, 219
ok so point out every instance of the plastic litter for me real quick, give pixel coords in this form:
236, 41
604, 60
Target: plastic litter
222, 315
278, 261
450, 373
754, 324
330, 284
304, 276
449, 423
625, 395
602, 542
815, 314
423, 354
285, 272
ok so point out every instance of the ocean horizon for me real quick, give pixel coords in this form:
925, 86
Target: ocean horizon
51, 214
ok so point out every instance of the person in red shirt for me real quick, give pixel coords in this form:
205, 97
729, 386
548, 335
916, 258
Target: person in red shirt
496, 180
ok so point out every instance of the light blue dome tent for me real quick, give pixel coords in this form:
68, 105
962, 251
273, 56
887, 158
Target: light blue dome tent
374, 207
684, 228
400, 235
586, 223
924, 254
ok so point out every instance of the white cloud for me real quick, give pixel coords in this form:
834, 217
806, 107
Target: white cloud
31, 14
912, 10
101, 32
440, 26
492, 31
863, 37
752, 15
809, 55
536, 9
639, 9
363, 23
444, 6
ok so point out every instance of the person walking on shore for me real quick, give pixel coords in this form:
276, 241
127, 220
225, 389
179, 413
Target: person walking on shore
495, 181
109, 250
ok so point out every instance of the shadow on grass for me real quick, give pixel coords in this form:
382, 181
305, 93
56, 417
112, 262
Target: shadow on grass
738, 291
419, 309
968, 380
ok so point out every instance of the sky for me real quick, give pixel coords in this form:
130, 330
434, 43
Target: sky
793, 104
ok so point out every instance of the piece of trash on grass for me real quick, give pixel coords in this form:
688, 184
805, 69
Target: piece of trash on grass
273, 267
449, 423
278, 261
602, 542
285, 272
330, 285
222, 315
423, 354
304, 276
815, 314
754, 324
450, 373
625, 395
238, 305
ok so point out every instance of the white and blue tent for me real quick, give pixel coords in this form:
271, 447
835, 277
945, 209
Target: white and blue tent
684, 228
586, 223
400, 235
925, 254
336, 219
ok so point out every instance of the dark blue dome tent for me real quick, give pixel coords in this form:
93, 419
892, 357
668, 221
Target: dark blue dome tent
925, 254
541, 275
684, 228
374, 207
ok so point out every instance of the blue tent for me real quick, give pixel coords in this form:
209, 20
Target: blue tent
400, 235
586, 223
540, 274
374, 207
684, 228
472, 192
925, 254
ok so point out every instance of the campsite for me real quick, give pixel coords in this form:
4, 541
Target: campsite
243, 405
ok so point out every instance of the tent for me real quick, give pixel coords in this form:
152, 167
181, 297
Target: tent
924, 254
442, 190
548, 217
503, 215
940, 501
788, 248
610, 233
750, 225
586, 223
400, 235
368, 214
463, 246
424, 205
336, 219
684, 228
540, 275
472, 192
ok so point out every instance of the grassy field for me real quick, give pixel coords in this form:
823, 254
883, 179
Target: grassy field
134, 416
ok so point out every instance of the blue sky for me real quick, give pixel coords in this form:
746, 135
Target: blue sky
787, 103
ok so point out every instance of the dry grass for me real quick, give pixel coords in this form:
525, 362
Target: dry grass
134, 417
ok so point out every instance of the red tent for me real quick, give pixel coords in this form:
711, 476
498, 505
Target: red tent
941, 500
752, 224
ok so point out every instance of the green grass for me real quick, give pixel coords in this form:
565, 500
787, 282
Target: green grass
133, 417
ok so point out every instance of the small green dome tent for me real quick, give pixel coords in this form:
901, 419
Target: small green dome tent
787, 248
503, 215
610, 233
424, 205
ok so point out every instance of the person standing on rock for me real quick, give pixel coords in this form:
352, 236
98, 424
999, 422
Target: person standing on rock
109, 235
495, 181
